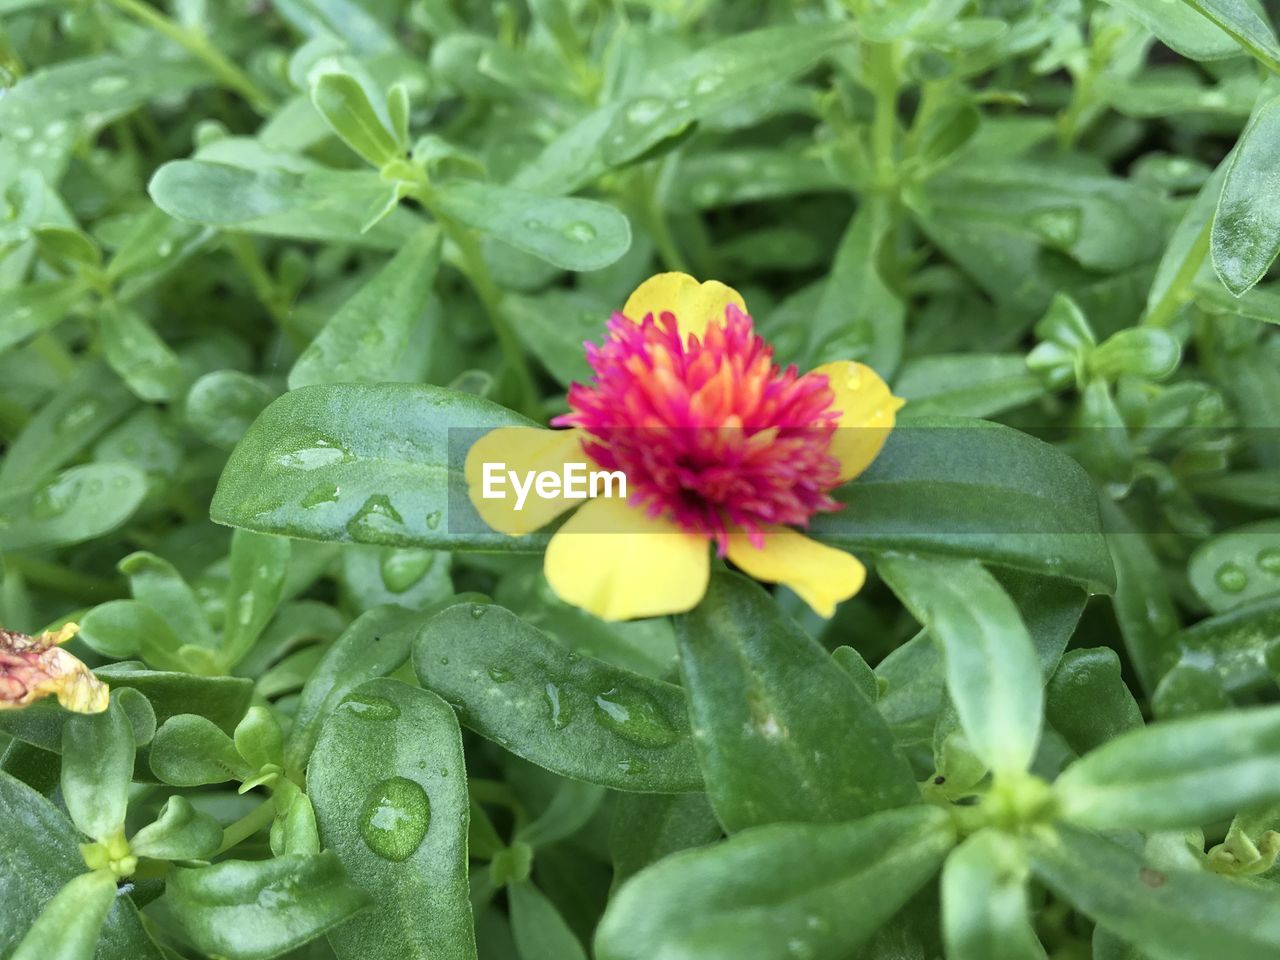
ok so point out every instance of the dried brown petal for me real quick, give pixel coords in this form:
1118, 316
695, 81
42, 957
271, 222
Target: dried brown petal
32, 668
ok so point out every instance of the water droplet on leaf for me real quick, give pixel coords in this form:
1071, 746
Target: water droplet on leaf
1231, 577
395, 818
369, 707
635, 716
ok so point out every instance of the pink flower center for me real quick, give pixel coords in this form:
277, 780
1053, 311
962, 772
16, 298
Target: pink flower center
709, 432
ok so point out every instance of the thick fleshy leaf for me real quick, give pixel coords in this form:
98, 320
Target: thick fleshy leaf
370, 463
258, 567
648, 827
1180, 773
97, 767
574, 715
1173, 914
68, 927
985, 908
970, 488
41, 856
1181, 28
1087, 701
813, 890
569, 232
180, 832
76, 505
390, 791
993, 673
783, 733
251, 909
189, 750
1246, 228
1246, 22
384, 331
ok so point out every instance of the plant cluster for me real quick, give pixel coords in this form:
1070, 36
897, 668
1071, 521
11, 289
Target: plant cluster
271, 686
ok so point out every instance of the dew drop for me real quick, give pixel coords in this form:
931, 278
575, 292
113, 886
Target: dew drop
323, 454
707, 83
78, 415
499, 674
108, 84
244, 608
401, 569
433, 519
645, 110
372, 337
633, 767
321, 493
370, 707
376, 518
1231, 578
580, 232
1269, 561
561, 711
165, 248
395, 818
1060, 226
23, 133
478, 610
635, 716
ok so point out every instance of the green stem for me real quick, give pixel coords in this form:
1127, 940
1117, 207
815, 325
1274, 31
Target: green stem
264, 287
256, 819
883, 79
198, 45
1178, 291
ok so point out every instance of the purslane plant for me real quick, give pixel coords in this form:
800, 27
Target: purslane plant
990, 673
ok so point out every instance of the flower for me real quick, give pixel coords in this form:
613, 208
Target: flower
32, 668
718, 445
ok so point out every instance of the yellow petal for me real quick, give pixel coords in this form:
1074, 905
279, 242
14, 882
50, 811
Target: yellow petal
32, 668
524, 450
867, 413
822, 576
613, 560
694, 304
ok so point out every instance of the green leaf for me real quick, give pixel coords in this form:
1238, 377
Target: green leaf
1178, 773
259, 739
985, 908
966, 384
156, 583
41, 855
97, 768
858, 317
1246, 228
33, 308
346, 108
384, 331
782, 732
993, 673
259, 564
122, 629
370, 463
245, 910
79, 414
1246, 22
675, 95
145, 362
222, 700
180, 832
569, 232
221, 405
316, 204
573, 715
389, 786
1237, 567
68, 927
1087, 701
648, 827
1173, 914
813, 890
189, 750
76, 505
1181, 28
374, 645
540, 932
936, 488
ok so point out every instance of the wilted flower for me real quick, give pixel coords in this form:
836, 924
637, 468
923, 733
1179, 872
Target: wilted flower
32, 668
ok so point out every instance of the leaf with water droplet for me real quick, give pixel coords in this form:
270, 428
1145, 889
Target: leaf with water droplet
259, 563
571, 233
1237, 567
574, 715
78, 504
387, 807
